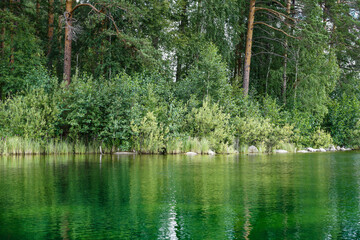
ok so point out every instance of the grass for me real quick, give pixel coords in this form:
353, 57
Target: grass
25, 146
22, 146
290, 147
174, 146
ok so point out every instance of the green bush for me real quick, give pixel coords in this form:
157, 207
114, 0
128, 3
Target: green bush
34, 115
148, 136
261, 132
343, 120
211, 123
321, 139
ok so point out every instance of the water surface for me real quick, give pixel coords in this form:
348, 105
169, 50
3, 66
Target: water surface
292, 196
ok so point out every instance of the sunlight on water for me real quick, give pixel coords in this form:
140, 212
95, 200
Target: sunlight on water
303, 196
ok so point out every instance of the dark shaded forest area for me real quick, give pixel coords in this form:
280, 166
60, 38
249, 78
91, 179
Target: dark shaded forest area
176, 76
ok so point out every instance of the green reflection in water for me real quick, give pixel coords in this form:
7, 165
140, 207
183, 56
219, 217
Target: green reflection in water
303, 196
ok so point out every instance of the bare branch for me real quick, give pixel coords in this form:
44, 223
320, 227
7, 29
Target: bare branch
272, 39
272, 53
276, 29
85, 4
276, 13
277, 2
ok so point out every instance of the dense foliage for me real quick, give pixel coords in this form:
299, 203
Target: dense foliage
159, 76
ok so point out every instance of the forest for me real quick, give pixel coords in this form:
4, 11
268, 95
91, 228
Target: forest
172, 76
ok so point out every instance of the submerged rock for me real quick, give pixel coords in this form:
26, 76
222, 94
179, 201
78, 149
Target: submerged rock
191, 153
281, 151
124, 153
302, 151
253, 149
211, 152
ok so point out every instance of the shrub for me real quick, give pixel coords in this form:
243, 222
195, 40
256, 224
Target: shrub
148, 136
321, 139
261, 132
211, 123
33, 115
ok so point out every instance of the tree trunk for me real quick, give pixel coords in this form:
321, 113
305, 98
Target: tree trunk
183, 24
238, 59
68, 40
283, 92
268, 71
38, 8
50, 25
296, 73
249, 41
2, 46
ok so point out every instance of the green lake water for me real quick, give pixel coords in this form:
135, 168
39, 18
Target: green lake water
290, 196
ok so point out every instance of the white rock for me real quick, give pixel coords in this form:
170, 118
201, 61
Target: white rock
322, 150
345, 149
211, 152
311, 149
281, 151
338, 148
191, 153
332, 148
253, 149
303, 151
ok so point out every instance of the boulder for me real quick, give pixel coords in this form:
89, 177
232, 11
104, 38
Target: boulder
281, 151
253, 149
322, 150
345, 149
311, 149
338, 148
303, 151
211, 152
332, 148
191, 153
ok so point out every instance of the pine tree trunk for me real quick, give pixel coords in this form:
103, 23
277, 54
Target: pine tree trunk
50, 25
248, 48
38, 8
68, 40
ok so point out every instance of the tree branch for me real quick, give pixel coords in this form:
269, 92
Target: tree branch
108, 16
272, 39
277, 2
85, 4
272, 53
276, 13
276, 29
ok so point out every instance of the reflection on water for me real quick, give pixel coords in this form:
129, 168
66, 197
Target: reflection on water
308, 196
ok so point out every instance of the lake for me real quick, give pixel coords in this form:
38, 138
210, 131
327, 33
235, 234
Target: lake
290, 196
